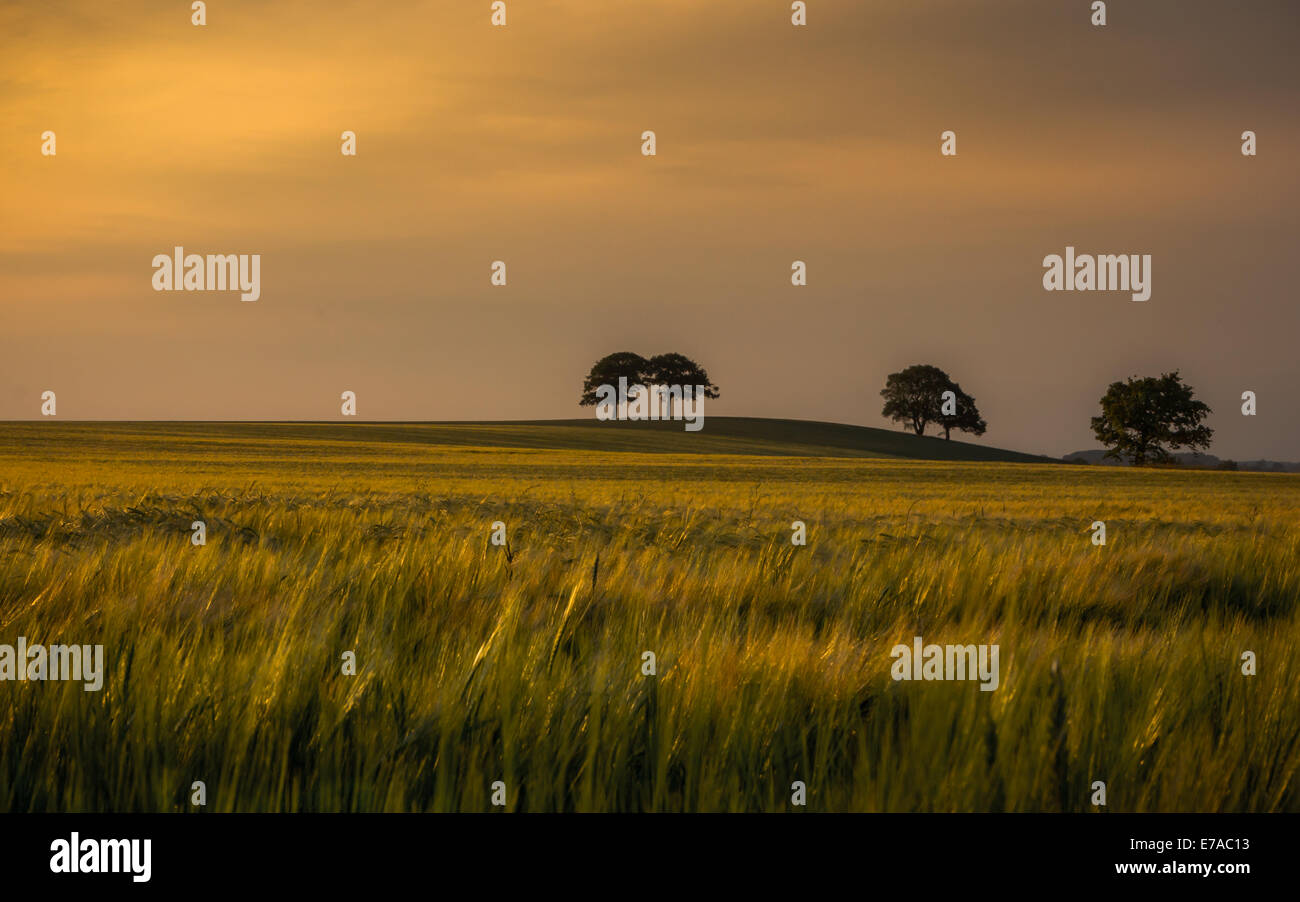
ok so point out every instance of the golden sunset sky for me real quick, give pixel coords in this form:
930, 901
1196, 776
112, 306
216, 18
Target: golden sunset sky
775, 143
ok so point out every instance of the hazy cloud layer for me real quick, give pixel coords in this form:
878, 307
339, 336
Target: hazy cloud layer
522, 144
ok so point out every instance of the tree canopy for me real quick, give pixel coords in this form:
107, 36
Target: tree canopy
662, 369
608, 369
678, 369
1141, 419
915, 397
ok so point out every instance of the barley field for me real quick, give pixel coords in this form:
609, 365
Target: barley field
523, 663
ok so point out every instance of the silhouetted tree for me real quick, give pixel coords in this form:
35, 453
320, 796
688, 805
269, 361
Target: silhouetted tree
678, 369
914, 396
966, 419
607, 370
1142, 418
662, 369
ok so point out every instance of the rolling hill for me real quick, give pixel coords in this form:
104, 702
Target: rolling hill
721, 435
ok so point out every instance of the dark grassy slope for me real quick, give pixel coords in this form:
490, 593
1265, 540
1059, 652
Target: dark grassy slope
721, 435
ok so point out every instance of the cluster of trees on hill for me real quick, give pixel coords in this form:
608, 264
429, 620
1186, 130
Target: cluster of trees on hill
1142, 419
661, 369
670, 382
924, 394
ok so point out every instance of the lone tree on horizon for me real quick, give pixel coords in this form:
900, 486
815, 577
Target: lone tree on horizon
914, 397
1140, 417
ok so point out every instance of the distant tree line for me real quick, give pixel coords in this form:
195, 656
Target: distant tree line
1142, 420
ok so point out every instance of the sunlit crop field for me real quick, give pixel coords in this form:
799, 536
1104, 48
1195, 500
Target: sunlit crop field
523, 663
